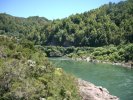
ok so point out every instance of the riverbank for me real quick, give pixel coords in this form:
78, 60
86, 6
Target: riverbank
89, 91
88, 59
117, 80
116, 55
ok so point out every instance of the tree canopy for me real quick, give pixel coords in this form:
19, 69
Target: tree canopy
109, 24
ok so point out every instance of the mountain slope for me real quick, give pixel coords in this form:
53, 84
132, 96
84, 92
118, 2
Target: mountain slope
110, 24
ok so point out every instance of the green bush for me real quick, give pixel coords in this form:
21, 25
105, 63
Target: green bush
27, 75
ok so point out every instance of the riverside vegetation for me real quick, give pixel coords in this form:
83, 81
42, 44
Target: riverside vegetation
111, 53
105, 33
25, 74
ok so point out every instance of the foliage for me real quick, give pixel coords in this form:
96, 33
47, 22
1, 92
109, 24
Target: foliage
25, 74
105, 33
107, 53
110, 24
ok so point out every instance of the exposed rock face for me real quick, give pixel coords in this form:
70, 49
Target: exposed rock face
89, 91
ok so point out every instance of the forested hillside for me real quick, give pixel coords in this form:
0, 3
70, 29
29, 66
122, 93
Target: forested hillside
104, 34
110, 24
109, 27
29, 28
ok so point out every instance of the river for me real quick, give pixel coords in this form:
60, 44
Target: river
118, 80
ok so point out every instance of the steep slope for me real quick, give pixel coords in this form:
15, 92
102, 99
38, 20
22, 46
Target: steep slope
25, 74
110, 24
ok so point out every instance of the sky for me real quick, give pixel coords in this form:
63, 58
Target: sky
51, 9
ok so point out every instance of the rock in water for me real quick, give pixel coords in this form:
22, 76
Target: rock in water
89, 91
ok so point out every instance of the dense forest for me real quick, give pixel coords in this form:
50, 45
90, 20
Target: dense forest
109, 27
110, 24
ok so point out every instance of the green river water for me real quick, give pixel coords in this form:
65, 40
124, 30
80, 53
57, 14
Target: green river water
118, 80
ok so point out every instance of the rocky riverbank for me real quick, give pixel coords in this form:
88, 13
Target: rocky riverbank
89, 91
88, 59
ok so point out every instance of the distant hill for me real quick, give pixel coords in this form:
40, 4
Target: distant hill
110, 24
19, 26
37, 18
